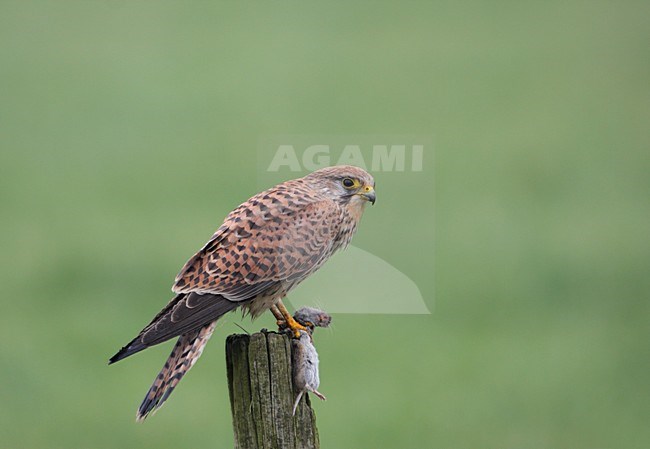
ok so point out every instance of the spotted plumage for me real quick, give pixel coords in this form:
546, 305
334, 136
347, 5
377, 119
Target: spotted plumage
263, 249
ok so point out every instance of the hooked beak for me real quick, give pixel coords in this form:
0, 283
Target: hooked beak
368, 194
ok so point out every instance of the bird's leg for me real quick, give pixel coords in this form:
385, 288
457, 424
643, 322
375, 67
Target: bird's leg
292, 324
278, 317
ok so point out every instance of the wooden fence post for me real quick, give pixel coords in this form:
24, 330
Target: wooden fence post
262, 395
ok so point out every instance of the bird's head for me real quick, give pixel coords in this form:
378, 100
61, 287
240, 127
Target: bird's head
350, 186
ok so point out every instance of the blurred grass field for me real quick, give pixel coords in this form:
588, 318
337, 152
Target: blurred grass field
129, 129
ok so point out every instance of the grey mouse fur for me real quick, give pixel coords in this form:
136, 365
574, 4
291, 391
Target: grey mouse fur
305, 367
310, 317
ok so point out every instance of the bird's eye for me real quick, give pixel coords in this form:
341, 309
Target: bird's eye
348, 183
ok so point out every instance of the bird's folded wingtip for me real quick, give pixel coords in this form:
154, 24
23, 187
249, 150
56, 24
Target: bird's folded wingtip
126, 351
118, 356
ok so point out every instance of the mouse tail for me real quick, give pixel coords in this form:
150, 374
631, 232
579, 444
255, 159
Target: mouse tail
295, 404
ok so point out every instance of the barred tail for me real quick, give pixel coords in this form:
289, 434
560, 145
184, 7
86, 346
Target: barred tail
186, 352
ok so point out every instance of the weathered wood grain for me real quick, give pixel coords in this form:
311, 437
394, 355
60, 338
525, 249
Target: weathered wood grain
262, 394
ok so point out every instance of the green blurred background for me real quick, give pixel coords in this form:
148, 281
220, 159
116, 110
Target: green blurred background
129, 129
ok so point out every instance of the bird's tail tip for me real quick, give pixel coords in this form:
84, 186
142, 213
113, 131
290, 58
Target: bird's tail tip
155, 398
141, 414
186, 352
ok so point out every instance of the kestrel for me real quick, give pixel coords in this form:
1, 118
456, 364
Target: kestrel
263, 249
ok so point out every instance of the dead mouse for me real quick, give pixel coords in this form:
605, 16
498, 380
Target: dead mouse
305, 367
311, 317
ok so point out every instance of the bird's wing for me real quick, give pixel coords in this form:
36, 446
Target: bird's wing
274, 237
186, 312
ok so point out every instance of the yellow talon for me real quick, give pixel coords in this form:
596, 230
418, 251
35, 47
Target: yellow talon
289, 322
295, 327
